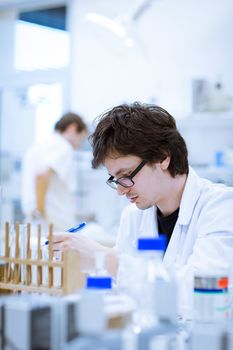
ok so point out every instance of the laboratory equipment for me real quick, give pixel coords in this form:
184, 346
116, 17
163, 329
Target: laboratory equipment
72, 278
211, 336
27, 325
92, 298
154, 285
211, 297
39, 321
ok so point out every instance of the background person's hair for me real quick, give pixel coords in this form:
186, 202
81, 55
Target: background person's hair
142, 130
68, 119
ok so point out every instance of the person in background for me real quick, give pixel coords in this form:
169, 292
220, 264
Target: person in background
147, 161
49, 175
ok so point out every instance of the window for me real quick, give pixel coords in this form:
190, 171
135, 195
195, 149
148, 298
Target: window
41, 41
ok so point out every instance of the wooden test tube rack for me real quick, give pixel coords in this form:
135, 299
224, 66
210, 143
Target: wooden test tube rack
71, 277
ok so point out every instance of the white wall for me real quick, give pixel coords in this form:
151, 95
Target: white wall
205, 135
178, 40
17, 121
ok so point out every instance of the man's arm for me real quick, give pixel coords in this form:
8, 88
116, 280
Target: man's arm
42, 182
87, 249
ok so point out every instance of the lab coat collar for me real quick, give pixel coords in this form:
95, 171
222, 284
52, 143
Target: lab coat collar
192, 190
189, 198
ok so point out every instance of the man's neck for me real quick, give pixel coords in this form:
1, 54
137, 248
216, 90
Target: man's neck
174, 194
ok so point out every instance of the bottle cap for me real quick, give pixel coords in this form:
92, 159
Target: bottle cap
159, 243
98, 282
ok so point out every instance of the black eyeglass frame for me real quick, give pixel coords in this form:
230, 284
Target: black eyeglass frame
112, 183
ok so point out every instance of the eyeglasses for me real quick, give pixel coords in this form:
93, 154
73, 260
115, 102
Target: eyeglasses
125, 181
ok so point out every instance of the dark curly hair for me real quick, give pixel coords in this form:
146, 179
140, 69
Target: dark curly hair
142, 130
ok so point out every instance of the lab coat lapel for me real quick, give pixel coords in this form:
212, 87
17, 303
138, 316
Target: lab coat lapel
189, 198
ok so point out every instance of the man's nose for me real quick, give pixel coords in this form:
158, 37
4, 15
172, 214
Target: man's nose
121, 190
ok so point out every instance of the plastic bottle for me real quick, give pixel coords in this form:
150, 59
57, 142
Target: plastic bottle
155, 289
144, 316
91, 318
144, 278
212, 326
165, 291
154, 321
211, 297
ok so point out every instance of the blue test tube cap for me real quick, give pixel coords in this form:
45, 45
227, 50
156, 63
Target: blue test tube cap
149, 243
97, 282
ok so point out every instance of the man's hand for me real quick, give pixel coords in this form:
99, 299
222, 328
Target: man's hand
87, 248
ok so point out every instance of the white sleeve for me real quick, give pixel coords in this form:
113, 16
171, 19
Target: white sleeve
127, 235
60, 160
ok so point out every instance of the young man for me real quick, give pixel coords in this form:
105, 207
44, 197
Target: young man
146, 158
49, 175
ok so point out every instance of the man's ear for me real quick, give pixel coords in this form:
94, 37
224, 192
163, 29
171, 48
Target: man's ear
165, 163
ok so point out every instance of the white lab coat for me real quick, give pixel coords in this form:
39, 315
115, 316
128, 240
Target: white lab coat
56, 154
202, 240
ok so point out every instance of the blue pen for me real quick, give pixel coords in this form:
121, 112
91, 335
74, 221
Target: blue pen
73, 229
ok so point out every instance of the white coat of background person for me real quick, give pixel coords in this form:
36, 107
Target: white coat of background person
147, 160
49, 175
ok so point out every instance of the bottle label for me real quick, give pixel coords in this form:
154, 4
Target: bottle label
211, 298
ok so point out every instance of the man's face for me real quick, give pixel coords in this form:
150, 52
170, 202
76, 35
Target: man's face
78, 139
151, 182
74, 137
